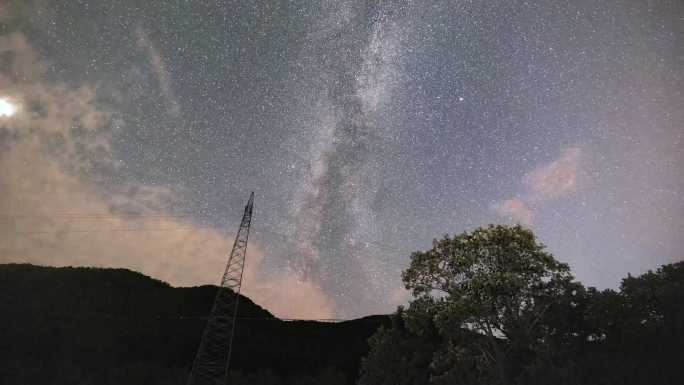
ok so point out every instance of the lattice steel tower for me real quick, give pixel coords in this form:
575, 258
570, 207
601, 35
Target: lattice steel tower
213, 356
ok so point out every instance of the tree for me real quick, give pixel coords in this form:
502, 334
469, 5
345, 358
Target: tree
487, 293
398, 356
644, 327
655, 300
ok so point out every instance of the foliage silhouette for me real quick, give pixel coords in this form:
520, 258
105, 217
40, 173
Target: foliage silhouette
493, 307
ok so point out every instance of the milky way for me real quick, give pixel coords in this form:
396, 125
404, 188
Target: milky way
366, 129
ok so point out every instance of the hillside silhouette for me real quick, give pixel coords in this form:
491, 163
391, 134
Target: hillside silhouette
114, 326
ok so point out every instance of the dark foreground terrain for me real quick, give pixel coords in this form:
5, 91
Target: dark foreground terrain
115, 326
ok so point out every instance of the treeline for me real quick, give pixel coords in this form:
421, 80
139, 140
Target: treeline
493, 307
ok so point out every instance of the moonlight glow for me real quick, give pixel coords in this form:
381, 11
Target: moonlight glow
7, 108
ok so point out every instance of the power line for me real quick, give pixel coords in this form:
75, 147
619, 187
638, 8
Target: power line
112, 230
93, 216
105, 216
192, 318
286, 237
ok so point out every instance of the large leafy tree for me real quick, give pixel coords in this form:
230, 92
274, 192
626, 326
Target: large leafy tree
493, 307
487, 294
498, 282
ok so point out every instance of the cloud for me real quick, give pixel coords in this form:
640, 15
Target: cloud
515, 209
159, 69
556, 179
24, 63
547, 182
54, 211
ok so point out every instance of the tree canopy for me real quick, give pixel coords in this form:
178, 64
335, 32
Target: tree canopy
492, 306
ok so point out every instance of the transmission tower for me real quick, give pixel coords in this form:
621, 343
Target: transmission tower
213, 356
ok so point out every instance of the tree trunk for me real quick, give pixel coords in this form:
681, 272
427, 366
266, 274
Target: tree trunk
499, 356
500, 364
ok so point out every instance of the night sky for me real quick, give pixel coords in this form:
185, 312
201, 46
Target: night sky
131, 133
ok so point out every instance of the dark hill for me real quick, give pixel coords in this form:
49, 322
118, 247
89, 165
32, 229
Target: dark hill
115, 326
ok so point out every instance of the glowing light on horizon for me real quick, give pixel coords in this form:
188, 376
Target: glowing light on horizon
7, 108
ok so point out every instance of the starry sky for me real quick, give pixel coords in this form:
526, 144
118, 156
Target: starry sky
131, 134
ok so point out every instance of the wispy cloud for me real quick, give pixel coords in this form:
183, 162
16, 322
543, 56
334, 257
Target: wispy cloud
546, 182
516, 210
159, 69
555, 179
